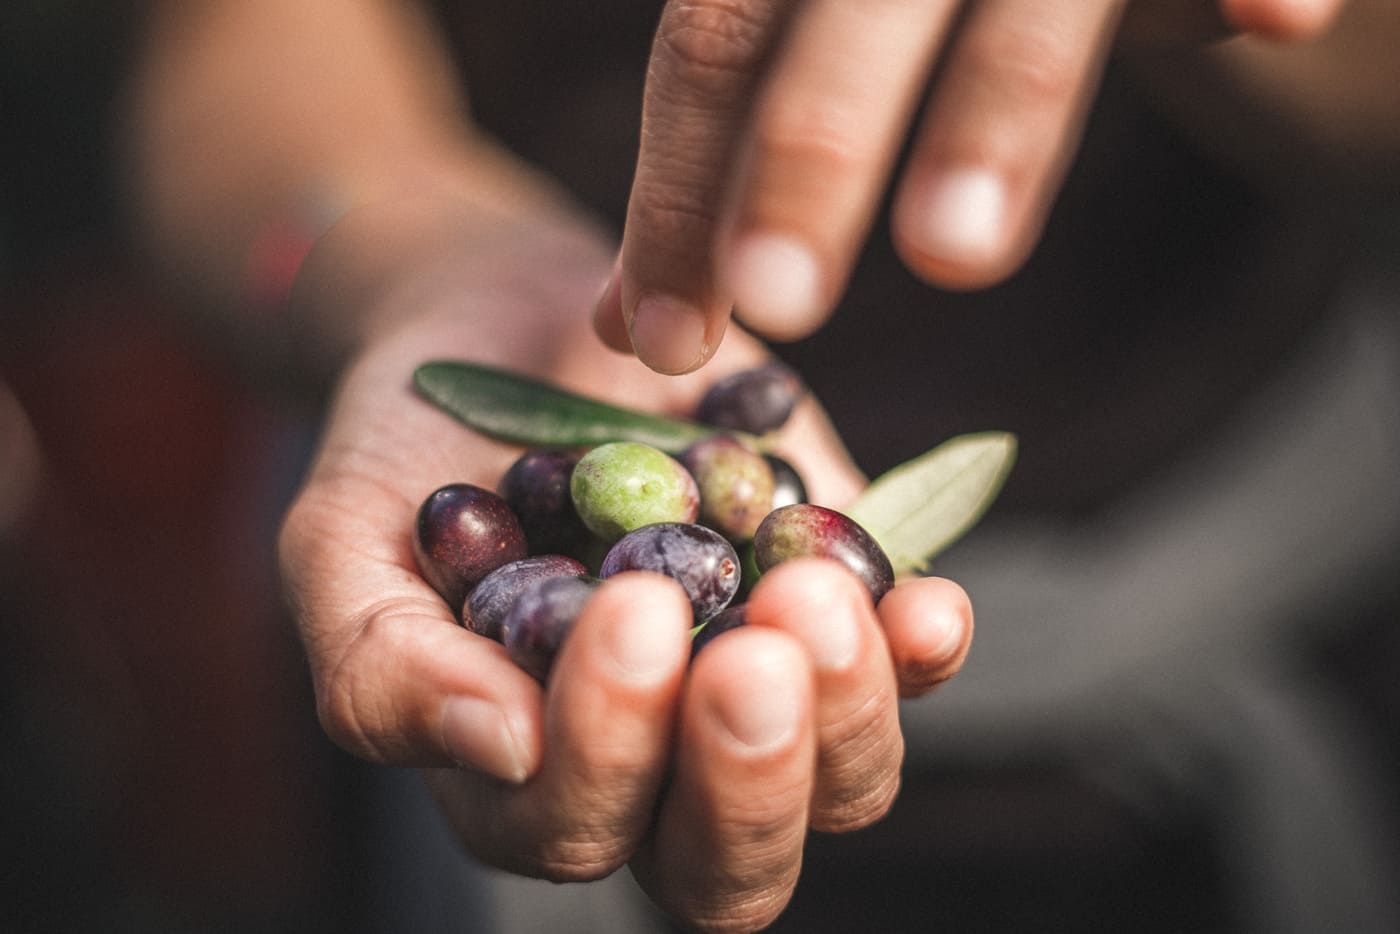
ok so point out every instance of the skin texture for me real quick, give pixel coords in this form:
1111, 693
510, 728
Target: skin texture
770, 132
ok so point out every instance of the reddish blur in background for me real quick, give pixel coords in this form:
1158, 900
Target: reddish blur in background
162, 768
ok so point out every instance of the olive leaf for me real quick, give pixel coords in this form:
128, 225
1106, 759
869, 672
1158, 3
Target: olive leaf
510, 407
922, 506
914, 511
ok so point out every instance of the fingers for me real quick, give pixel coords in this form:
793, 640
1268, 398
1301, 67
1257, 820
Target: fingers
997, 135
1282, 19
859, 743
823, 136
1156, 21
705, 61
770, 130
928, 623
727, 847
611, 709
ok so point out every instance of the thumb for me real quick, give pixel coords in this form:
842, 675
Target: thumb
397, 681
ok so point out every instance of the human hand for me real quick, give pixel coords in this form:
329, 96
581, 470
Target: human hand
704, 778
770, 131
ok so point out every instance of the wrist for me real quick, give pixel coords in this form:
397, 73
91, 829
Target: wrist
498, 278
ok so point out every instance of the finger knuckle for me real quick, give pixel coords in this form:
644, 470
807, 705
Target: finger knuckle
865, 807
581, 858
1036, 68
922, 676
708, 45
751, 910
818, 135
675, 213
861, 779
352, 705
298, 543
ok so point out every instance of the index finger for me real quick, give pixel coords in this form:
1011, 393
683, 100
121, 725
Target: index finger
397, 680
704, 64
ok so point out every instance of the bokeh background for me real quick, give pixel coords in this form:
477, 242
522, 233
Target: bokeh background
1181, 712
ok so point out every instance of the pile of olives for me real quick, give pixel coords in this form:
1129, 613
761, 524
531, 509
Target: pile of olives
518, 564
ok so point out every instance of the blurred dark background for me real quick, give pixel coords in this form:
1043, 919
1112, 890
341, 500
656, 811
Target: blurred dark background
162, 769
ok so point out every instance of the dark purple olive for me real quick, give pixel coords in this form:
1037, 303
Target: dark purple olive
699, 559
540, 620
756, 401
804, 530
536, 487
788, 488
462, 534
731, 617
492, 598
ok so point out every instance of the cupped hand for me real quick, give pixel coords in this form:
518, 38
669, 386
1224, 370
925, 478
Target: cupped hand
704, 777
771, 128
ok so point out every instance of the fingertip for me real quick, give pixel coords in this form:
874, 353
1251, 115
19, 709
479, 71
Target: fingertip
805, 582
929, 624
387, 695
953, 229
821, 604
1282, 20
777, 284
755, 688
670, 335
639, 624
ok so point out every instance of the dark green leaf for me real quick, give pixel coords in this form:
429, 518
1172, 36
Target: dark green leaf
514, 408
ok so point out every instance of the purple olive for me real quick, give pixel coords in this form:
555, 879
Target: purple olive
541, 619
699, 559
756, 401
492, 598
536, 487
731, 617
463, 533
788, 487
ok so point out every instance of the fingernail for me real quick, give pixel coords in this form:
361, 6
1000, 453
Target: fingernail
668, 335
762, 711
477, 736
641, 653
961, 217
775, 278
